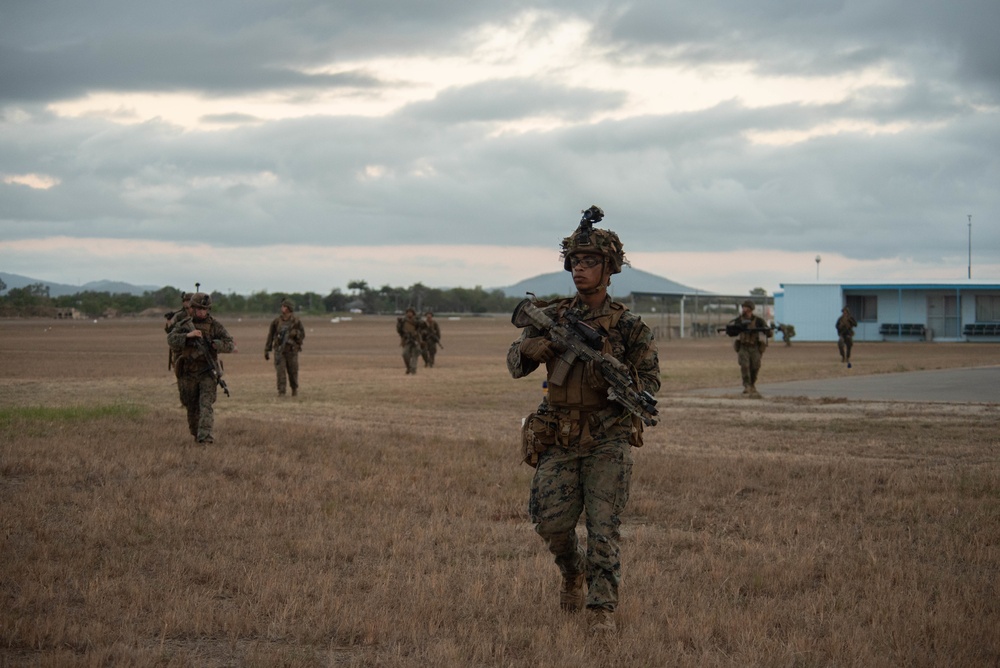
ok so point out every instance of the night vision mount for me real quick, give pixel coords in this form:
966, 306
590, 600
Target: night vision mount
590, 216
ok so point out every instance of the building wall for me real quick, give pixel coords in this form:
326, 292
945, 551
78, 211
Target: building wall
811, 309
814, 308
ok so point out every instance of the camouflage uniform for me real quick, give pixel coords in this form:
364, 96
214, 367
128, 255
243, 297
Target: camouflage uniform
845, 334
196, 385
286, 360
787, 333
750, 347
176, 317
432, 336
411, 338
586, 467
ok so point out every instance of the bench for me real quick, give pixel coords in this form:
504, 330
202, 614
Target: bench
981, 329
910, 329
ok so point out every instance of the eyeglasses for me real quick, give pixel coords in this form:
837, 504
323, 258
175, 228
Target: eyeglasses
587, 261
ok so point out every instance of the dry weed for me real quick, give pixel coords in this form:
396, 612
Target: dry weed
379, 519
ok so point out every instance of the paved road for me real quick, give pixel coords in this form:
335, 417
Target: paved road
979, 385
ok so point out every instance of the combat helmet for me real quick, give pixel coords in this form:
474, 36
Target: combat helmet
201, 300
289, 303
586, 239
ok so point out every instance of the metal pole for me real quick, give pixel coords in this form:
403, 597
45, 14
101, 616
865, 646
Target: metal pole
970, 246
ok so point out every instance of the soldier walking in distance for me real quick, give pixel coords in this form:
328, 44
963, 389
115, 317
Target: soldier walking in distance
197, 342
411, 338
845, 333
787, 333
432, 338
285, 337
585, 466
752, 335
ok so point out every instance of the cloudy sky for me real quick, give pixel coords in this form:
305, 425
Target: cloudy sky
294, 145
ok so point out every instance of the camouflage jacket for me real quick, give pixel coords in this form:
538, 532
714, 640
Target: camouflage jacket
845, 325
410, 331
296, 334
190, 357
628, 339
752, 339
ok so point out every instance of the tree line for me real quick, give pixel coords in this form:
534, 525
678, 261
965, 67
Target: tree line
35, 300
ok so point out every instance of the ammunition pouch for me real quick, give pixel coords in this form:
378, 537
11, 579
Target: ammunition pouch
537, 434
635, 435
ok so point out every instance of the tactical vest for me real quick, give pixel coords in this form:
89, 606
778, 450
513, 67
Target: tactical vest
577, 393
192, 359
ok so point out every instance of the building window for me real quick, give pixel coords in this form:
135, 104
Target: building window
987, 308
864, 309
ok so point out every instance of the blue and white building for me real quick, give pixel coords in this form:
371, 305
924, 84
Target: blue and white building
892, 311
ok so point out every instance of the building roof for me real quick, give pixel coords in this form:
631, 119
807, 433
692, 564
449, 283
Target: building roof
902, 285
629, 281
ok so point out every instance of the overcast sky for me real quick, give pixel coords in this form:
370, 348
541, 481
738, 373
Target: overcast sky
297, 145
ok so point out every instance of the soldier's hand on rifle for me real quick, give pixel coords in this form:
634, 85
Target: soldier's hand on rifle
267, 354
194, 334
539, 349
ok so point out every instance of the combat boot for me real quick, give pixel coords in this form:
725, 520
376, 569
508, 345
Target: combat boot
602, 622
572, 595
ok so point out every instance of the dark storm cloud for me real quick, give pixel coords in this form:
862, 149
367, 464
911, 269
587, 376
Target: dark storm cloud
827, 37
53, 50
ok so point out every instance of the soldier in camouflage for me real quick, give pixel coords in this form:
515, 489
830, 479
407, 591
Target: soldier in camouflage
183, 312
432, 338
750, 346
411, 338
845, 334
586, 466
285, 337
195, 383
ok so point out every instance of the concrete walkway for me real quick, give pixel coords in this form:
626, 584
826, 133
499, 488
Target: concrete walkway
979, 385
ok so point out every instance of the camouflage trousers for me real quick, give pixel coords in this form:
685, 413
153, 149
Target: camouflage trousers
428, 352
749, 358
197, 395
287, 367
411, 353
844, 345
593, 481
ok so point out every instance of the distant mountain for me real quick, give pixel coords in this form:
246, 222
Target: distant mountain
628, 281
62, 289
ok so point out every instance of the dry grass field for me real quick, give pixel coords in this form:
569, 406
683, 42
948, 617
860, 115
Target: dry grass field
379, 519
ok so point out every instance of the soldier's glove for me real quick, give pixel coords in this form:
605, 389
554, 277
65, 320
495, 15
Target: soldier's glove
592, 371
539, 349
267, 354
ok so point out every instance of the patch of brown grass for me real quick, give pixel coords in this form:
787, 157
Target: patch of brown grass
379, 519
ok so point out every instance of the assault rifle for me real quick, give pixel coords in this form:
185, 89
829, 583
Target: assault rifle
737, 328
435, 339
214, 368
579, 341
282, 340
